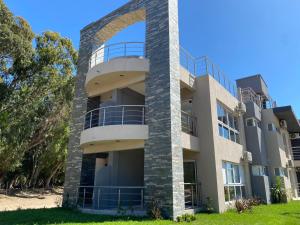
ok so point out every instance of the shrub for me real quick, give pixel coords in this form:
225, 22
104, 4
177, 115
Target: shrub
242, 205
278, 194
154, 210
186, 218
209, 206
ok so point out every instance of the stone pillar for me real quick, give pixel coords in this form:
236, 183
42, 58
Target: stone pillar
74, 159
163, 175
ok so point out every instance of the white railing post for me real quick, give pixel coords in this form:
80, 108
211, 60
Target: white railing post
107, 54
91, 117
142, 198
104, 116
83, 203
98, 198
123, 114
125, 49
192, 195
143, 116
119, 198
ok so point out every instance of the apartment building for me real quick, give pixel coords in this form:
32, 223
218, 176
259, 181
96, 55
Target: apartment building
267, 129
151, 123
295, 141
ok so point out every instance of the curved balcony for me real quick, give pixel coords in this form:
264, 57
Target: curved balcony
116, 66
111, 128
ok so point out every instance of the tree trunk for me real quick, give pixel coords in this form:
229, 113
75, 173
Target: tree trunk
54, 171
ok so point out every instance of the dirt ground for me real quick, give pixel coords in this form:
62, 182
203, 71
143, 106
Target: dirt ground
34, 199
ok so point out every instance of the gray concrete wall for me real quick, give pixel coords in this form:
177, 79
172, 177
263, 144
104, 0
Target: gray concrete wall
261, 188
124, 168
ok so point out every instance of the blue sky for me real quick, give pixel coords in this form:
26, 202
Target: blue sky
244, 37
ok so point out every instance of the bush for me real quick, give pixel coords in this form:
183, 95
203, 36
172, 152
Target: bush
208, 206
154, 210
242, 205
186, 218
278, 194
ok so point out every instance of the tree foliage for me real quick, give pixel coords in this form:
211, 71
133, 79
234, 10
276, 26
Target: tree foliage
36, 91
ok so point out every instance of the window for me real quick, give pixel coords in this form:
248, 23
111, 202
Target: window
280, 172
271, 127
252, 122
228, 124
234, 187
259, 170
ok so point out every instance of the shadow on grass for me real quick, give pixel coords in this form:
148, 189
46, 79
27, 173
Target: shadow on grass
56, 216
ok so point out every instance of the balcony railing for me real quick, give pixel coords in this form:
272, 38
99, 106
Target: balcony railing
115, 115
192, 195
123, 49
204, 66
110, 198
188, 123
296, 153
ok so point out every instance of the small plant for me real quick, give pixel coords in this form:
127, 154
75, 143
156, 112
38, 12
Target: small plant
278, 194
186, 218
209, 206
255, 201
243, 205
155, 210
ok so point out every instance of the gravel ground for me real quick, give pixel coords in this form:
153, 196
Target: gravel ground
33, 199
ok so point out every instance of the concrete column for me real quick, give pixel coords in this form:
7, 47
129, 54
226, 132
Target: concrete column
163, 175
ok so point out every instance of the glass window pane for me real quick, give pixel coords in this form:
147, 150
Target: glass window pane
237, 178
243, 192
225, 133
226, 193
220, 130
225, 117
237, 137
232, 136
220, 112
238, 192
232, 193
230, 176
236, 123
231, 122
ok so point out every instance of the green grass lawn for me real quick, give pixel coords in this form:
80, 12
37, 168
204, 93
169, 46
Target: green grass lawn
286, 214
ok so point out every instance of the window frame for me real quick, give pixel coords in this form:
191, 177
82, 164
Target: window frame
228, 123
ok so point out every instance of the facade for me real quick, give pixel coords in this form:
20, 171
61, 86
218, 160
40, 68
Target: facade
154, 125
267, 129
295, 141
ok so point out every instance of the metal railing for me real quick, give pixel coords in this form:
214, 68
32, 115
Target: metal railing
299, 189
249, 95
188, 123
123, 49
203, 66
111, 197
115, 115
296, 153
192, 195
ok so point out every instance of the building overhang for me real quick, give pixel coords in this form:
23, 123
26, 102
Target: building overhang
286, 113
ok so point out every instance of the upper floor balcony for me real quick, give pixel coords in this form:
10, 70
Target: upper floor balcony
116, 66
125, 126
125, 64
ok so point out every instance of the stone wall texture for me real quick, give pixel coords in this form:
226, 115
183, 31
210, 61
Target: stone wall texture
163, 159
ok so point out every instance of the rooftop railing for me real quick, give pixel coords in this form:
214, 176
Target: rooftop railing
196, 66
204, 66
123, 49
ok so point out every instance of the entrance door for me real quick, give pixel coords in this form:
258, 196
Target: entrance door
190, 184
